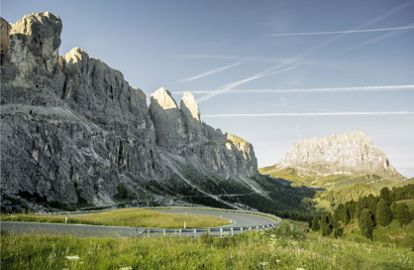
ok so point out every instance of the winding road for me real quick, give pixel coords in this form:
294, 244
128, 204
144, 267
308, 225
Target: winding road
241, 221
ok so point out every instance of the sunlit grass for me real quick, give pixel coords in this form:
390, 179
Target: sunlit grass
134, 217
287, 247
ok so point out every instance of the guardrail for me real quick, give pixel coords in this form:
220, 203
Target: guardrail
220, 231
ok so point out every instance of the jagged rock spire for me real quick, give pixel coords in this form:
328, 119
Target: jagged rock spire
189, 106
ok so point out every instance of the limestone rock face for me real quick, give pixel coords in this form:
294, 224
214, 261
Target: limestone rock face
189, 108
352, 153
34, 44
75, 134
5, 28
168, 121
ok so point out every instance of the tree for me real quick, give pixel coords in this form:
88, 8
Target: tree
339, 214
367, 223
401, 213
383, 213
350, 208
361, 204
372, 203
315, 224
385, 194
326, 224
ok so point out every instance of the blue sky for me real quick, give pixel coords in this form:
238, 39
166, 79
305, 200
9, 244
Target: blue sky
245, 57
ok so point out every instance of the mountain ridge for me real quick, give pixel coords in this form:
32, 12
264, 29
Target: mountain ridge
75, 134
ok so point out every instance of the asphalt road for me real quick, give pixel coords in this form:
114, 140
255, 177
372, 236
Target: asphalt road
241, 222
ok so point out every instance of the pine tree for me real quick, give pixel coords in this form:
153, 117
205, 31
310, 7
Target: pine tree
372, 203
401, 213
350, 208
326, 224
367, 223
385, 194
315, 224
383, 213
339, 214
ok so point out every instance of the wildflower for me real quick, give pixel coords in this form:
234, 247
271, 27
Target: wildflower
126, 268
300, 268
263, 263
278, 261
73, 258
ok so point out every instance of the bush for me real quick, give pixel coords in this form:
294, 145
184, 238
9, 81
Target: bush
289, 230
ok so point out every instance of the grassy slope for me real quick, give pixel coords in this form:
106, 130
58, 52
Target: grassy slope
284, 248
338, 188
134, 217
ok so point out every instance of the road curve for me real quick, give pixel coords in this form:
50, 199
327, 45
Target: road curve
241, 221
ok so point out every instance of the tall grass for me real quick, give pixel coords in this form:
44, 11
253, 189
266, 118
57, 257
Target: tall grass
286, 247
134, 217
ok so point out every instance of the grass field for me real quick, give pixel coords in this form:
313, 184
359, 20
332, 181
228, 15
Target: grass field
286, 247
134, 217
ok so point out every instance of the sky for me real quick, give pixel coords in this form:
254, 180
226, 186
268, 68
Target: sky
272, 72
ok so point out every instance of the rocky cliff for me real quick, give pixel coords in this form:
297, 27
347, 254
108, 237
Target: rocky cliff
349, 154
74, 133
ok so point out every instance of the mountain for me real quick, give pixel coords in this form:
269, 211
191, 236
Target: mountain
75, 134
348, 166
351, 154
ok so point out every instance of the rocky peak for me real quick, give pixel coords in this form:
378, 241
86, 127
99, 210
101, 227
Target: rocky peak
35, 40
75, 55
189, 106
168, 122
162, 97
352, 153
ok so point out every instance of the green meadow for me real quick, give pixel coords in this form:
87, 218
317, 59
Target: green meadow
134, 217
286, 247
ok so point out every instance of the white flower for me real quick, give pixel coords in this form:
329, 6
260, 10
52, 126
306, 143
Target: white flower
300, 268
126, 268
278, 261
263, 263
73, 258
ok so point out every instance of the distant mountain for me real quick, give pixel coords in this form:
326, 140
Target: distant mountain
347, 166
326, 160
75, 134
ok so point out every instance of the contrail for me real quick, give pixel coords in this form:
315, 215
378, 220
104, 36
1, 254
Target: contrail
292, 64
227, 87
341, 32
375, 40
352, 89
306, 114
208, 73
